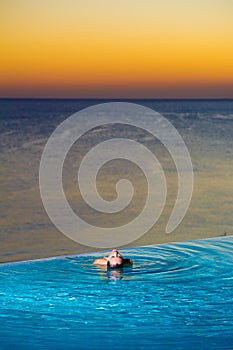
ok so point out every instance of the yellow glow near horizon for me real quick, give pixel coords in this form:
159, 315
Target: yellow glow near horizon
104, 48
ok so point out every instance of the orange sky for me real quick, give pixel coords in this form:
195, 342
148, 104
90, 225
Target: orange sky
124, 48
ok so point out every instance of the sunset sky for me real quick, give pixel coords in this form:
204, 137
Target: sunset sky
116, 49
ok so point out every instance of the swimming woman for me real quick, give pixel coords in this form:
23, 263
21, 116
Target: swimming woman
114, 260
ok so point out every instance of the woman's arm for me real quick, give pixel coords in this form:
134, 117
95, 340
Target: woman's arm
102, 261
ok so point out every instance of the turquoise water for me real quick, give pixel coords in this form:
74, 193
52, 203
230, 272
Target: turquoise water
176, 296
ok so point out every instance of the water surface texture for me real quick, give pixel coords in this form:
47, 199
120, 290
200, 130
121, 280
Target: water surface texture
26, 231
176, 296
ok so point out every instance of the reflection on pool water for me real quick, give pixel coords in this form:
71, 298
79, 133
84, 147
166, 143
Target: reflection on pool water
176, 296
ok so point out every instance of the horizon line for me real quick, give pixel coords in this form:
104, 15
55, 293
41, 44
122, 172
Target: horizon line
122, 98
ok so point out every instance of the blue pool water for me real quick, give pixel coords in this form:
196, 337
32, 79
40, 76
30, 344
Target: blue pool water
176, 296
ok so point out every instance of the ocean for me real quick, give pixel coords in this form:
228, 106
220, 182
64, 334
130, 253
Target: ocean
26, 231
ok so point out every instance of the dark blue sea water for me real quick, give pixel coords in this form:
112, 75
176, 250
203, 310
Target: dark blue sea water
25, 126
176, 296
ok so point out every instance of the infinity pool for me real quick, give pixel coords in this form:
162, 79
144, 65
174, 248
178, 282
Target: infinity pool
176, 296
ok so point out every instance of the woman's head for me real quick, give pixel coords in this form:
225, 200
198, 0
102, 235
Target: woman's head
114, 262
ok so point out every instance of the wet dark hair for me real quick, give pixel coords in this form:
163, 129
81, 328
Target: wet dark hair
115, 266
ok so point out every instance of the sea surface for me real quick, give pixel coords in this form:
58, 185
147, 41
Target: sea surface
26, 232
176, 296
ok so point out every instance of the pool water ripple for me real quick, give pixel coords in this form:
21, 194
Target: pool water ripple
176, 296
